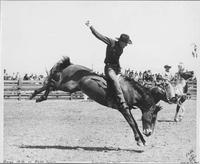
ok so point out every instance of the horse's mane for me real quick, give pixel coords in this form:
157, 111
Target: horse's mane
65, 62
134, 83
145, 92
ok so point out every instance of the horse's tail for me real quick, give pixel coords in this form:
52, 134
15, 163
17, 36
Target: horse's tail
66, 62
47, 72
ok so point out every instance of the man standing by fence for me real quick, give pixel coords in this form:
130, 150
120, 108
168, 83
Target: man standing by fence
168, 77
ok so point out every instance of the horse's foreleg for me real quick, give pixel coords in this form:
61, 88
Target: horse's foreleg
37, 91
131, 121
140, 134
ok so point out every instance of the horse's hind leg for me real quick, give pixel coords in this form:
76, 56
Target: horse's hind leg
37, 91
45, 95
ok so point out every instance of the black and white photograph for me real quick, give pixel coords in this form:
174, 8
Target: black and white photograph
100, 81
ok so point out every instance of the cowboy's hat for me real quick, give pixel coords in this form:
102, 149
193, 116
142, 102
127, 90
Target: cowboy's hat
124, 38
167, 66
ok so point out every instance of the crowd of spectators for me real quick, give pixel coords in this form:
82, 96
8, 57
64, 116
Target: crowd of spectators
33, 77
146, 76
16, 76
142, 77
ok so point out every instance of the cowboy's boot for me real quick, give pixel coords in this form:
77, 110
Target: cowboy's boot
173, 100
123, 106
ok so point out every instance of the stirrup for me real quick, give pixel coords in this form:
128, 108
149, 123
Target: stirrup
109, 101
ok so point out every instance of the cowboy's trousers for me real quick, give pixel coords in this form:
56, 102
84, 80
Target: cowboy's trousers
111, 74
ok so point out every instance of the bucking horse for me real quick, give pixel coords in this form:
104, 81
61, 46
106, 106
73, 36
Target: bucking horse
79, 78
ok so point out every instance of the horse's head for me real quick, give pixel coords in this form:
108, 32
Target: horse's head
149, 119
186, 75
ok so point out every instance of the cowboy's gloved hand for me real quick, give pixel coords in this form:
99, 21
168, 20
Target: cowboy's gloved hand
88, 23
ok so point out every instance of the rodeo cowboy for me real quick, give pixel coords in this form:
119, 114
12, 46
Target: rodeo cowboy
112, 66
168, 78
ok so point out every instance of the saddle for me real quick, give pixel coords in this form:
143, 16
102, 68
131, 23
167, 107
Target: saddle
101, 83
107, 84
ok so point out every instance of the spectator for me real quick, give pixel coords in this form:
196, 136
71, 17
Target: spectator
26, 77
5, 75
136, 76
168, 77
131, 75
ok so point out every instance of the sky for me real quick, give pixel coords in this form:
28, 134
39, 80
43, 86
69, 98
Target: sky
36, 34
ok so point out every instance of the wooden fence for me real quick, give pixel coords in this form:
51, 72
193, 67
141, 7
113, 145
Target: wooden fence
22, 89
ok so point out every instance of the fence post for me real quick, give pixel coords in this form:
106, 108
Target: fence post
71, 96
19, 87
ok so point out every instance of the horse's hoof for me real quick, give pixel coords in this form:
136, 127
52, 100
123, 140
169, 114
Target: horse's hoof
175, 120
140, 143
180, 119
37, 100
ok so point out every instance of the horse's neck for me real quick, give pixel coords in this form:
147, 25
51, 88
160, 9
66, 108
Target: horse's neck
139, 93
158, 93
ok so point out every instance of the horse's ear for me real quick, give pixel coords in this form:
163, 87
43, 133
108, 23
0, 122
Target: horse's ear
157, 109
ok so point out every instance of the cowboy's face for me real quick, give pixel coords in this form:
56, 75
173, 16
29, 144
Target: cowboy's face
167, 69
180, 68
122, 44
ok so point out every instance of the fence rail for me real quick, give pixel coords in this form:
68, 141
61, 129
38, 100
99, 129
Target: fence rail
22, 89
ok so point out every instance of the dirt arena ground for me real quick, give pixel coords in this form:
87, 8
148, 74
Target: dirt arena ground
84, 131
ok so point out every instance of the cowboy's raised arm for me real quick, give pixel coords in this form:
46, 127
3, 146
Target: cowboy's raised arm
101, 37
